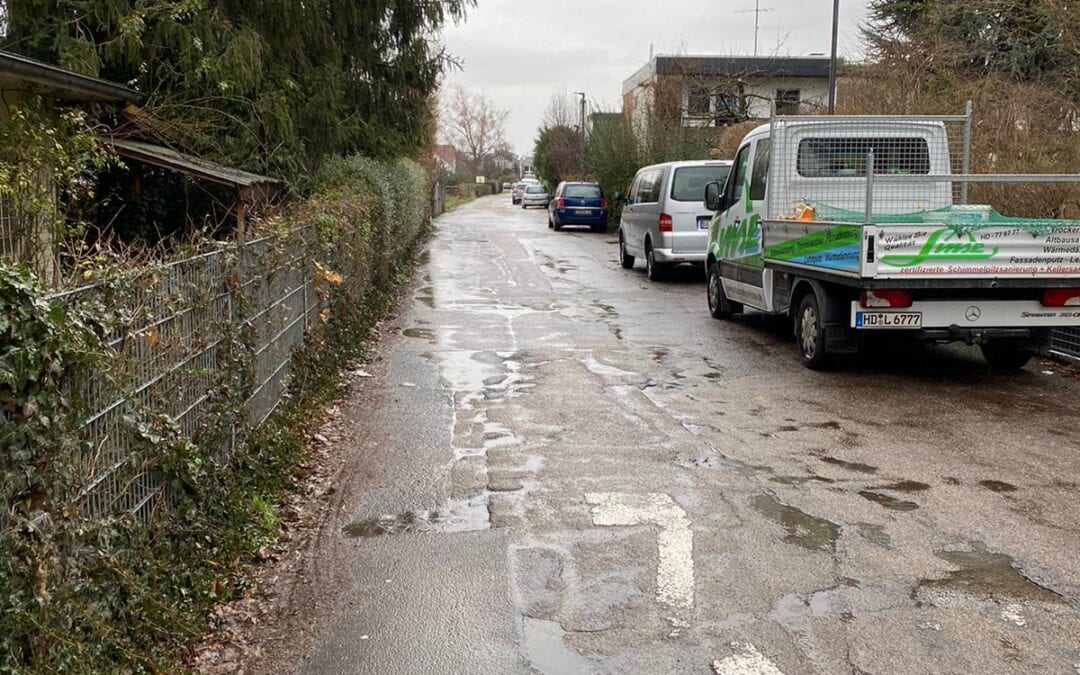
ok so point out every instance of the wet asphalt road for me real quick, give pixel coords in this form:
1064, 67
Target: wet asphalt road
573, 470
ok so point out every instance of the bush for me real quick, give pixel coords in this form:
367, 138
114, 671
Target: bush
112, 593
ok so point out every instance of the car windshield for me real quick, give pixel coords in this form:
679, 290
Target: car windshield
689, 183
536, 190
583, 191
519, 186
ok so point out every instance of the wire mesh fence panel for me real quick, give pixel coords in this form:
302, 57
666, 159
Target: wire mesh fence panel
1066, 341
824, 162
172, 353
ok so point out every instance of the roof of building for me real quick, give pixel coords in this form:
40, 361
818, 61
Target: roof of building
727, 66
20, 71
446, 153
167, 158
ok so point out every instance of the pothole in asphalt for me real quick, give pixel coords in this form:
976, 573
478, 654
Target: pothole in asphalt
891, 503
548, 653
455, 515
698, 458
875, 534
850, 466
998, 486
803, 529
987, 575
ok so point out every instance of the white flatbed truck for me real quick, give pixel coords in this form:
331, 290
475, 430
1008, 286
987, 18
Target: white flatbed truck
856, 224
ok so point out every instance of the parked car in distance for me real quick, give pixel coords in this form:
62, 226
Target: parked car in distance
576, 203
516, 191
664, 218
507, 186
535, 195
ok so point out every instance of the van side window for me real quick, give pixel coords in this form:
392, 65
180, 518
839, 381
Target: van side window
653, 195
738, 177
760, 176
635, 190
648, 187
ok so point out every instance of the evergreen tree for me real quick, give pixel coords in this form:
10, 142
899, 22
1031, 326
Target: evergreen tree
269, 85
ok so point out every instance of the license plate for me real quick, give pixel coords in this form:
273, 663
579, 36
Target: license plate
875, 320
703, 222
582, 212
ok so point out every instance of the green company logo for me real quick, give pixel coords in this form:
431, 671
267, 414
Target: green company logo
943, 244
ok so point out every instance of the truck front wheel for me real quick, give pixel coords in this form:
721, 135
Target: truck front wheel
810, 333
1006, 356
719, 305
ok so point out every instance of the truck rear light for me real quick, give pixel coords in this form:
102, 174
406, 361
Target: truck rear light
1061, 297
885, 297
666, 222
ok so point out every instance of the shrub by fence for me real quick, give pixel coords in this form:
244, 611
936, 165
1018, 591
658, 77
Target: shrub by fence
139, 459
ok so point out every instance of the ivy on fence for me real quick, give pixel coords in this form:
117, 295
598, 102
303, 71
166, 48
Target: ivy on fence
124, 582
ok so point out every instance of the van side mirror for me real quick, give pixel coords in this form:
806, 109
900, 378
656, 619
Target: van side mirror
714, 196
619, 198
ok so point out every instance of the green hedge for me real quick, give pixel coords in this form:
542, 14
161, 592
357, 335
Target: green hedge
113, 594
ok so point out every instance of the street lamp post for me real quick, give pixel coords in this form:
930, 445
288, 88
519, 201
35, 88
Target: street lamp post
582, 95
832, 61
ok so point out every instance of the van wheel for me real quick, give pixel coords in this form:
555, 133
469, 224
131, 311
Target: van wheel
810, 333
654, 270
719, 305
625, 259
1006, 357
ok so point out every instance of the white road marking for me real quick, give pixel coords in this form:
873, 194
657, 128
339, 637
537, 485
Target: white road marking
746, 660
675, 543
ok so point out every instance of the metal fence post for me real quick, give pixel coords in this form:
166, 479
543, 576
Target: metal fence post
870, 188
966, 159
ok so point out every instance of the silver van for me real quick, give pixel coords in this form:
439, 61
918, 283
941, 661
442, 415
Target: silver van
663, 217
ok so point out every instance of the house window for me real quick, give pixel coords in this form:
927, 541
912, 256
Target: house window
787, 101
700, 102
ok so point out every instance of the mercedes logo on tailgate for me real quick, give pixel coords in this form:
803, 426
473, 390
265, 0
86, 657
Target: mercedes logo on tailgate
973, 314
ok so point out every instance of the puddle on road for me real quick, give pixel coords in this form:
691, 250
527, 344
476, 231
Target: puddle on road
455, 515
988, 575
888, 502
803, 529
850, 466
548, 653
800, 480
420, 333
998, 486
904, 486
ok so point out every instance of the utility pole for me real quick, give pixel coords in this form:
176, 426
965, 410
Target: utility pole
757, 10
582, 95
832, 60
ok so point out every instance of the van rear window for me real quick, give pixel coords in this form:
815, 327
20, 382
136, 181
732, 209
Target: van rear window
689, 182
846, 157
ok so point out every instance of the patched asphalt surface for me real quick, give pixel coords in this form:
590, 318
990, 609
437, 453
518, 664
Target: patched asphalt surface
561, 467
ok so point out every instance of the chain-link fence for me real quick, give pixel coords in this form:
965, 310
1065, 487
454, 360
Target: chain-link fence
173, 354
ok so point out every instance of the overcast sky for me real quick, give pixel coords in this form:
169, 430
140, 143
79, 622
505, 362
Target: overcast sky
520, 53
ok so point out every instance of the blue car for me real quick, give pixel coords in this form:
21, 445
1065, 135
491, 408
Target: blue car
578, 204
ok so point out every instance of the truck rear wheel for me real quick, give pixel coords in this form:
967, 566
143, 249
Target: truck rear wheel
810, 333
719, 305
1005, 356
